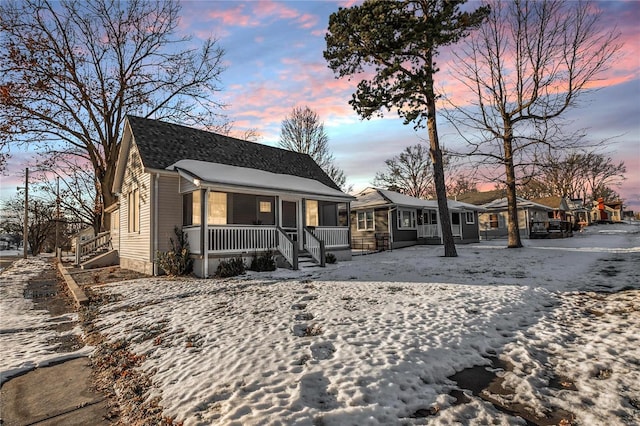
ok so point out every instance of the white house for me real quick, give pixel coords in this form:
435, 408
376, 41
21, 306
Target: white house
231, 197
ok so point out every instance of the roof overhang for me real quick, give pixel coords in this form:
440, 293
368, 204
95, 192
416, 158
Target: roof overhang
222, 177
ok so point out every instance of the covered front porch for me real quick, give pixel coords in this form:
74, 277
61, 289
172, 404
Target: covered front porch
428, 227
244, 223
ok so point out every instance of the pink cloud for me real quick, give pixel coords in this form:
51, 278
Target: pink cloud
307, 21
233, 17
270, 8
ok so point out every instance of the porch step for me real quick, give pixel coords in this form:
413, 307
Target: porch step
305, 260
107, 258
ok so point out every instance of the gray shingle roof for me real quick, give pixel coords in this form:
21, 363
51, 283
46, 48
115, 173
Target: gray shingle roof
162, 144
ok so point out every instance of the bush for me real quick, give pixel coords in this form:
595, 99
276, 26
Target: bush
264, 262
330, 258
230, 268
176, 261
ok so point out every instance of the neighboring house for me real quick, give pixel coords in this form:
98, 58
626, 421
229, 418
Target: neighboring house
480, 198
560, 222
560, 206
230, 197
382, 219
493, 221
606, 212
81, 236
580, 213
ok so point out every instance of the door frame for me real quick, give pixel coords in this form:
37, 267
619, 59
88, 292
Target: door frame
299, 218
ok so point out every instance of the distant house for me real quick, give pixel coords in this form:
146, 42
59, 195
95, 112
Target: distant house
581, 214
81, 236
383, 219
560, 223
493, 220
230, 197
606, 211
560, 206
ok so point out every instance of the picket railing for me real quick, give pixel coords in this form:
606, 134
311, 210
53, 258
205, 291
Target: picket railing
314, 246
288, 248
249, 239
238, 239
85, 249
428, 231
333, 236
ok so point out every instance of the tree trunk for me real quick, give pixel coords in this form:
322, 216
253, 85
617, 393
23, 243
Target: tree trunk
438, 177
512, 203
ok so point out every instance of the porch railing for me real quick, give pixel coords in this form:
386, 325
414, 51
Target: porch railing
288, 248
433, 231
333, 237
314, 246
550, 227
428, 231
238, 239
249, 239
87, 248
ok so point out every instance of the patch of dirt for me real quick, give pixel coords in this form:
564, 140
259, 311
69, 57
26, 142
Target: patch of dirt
101, 276
484, 383
49, 292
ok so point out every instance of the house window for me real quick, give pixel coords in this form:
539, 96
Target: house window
470, 218
191, 208
365, 220
134, 210
406, 219
312, 213
265, 206
217, 208
493, 221
434, 218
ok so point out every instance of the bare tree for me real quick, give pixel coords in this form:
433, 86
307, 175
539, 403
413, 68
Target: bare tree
461, 183
527, 65
398, 41
70, 71
409, 172
602, 174
42, 224
303, 132
77, 187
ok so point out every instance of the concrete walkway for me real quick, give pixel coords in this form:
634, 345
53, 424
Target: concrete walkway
56, 395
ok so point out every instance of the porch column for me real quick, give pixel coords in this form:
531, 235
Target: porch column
204, 231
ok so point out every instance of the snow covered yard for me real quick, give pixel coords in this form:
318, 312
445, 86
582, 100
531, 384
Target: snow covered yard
375, 340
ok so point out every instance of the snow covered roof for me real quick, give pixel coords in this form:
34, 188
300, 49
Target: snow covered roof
222, 174
162, 145
501, 204
373, 197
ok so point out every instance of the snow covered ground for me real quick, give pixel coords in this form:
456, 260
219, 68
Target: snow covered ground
375, 340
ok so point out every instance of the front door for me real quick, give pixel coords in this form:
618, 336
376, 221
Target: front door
290, 219
456, 225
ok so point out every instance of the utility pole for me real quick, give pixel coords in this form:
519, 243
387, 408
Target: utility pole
25, 241
57, 215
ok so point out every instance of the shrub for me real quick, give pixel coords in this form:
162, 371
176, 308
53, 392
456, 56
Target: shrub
230, 268
176, 261
264, 262
330, 258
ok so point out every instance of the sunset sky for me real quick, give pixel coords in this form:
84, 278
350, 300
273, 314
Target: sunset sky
274, 63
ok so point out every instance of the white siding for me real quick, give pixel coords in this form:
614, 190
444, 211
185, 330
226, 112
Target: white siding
115, 229
135, 247
170, 210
